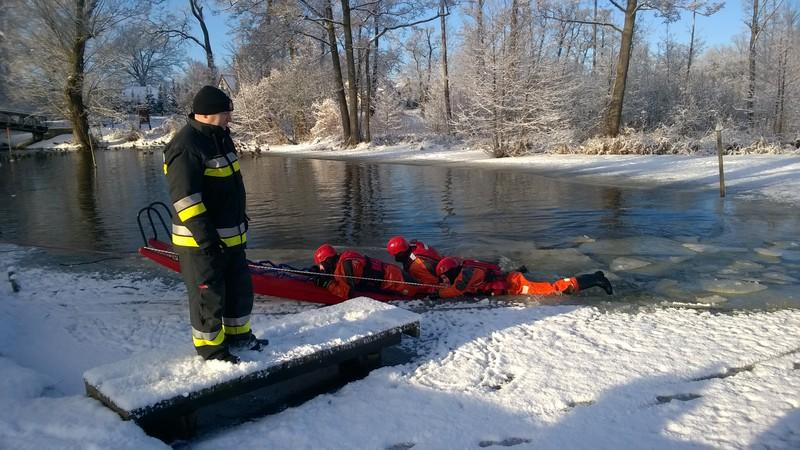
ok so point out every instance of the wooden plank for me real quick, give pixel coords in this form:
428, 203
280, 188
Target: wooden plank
162, 392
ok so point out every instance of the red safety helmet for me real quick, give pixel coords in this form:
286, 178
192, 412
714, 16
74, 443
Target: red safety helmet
447, 264
397, 244
324, 252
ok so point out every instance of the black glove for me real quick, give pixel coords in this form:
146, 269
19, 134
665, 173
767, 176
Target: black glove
322, 281
215, 250
597, 279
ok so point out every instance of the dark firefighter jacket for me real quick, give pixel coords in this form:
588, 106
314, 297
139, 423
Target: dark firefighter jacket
206, 187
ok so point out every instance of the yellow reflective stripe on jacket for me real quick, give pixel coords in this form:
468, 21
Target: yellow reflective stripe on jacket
234, 241
201, 339
222, 171
184, 241
189, 241
192, 211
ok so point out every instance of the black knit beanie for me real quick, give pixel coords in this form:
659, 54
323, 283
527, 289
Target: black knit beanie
210, 100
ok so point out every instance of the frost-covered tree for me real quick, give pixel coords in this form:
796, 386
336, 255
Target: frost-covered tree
279, 108
509, 101
69, 64
148, 56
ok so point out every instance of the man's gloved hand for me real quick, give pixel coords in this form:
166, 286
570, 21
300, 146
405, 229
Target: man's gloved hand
322, 280
215, 250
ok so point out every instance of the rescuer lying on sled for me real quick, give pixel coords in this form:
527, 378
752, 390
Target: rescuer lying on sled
420, 259
351, 270
467, 277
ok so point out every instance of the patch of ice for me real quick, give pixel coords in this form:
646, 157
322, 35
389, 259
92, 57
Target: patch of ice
772, 252
712, 300
702, 248
628, 263
742, 266
645, 246
723, 286
780, 277
791, 255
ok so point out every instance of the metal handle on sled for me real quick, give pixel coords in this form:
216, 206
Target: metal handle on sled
151, 209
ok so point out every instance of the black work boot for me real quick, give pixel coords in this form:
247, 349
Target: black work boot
223, 355
597, 279
248, 342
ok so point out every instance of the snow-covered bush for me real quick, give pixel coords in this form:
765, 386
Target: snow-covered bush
388, 117
278, 109
327, 122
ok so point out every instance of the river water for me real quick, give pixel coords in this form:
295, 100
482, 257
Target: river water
658, 244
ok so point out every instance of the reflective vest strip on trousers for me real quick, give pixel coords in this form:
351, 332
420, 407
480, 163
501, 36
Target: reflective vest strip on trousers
201, 339
239, 325
230, 236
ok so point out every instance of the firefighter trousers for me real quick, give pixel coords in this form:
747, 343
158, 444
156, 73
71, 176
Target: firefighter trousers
220, 297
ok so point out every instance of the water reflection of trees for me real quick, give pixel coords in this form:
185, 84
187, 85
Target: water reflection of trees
86, 184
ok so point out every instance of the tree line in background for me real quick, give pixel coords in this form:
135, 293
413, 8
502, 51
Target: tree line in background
518, 76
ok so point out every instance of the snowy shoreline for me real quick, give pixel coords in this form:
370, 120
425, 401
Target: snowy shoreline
771, 177
591, 375
755, 176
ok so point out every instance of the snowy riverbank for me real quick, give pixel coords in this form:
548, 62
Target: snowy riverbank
592, 374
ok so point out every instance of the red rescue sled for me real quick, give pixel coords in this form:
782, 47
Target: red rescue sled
269, 279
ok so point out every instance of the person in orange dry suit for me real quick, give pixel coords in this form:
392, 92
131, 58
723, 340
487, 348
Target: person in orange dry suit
465, 277
420, 260
352, 270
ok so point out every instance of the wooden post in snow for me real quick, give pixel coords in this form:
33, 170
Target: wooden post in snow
718, 130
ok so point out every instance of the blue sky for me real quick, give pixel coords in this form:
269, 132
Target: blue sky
718, 29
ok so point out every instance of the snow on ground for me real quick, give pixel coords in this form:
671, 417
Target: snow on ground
591, 375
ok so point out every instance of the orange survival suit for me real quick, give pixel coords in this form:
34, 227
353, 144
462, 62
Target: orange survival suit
351, 269
474, 277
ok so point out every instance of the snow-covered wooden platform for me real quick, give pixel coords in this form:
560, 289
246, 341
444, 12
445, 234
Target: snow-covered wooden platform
164, 384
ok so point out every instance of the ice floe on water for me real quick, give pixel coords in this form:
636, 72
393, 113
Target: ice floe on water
628, 263
735, 287
642, 246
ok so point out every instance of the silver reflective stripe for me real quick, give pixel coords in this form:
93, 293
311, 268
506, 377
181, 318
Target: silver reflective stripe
217, 163
235, 321
188, 201
205, 336
180, 230
220, 162
231, 231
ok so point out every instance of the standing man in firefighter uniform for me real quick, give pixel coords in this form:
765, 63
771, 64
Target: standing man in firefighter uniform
209, 229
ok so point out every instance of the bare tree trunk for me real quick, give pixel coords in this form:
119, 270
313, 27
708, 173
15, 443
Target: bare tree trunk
352, 88
74, 89
594, 39
691, 50
751, 59
426, 93
445, 77
197, 12
783, 62
366, 102
341, 99
614, 111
